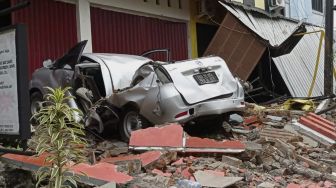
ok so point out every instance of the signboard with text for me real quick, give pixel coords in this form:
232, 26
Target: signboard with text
14, 94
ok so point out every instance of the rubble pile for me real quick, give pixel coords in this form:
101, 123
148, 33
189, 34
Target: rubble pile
266, 147
274, 154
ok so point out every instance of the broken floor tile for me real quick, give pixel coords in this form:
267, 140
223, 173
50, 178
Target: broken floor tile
171, 137
168, 136
207, 179
102, 171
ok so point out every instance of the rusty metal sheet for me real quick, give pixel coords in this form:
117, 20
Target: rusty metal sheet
237, 46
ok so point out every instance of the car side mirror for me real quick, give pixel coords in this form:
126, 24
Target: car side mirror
47, 64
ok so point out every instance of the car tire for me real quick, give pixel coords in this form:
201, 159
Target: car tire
36, 99
130, 121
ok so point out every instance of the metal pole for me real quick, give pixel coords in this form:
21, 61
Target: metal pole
328, 57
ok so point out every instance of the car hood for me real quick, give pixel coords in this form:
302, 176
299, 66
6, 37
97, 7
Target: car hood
182, 74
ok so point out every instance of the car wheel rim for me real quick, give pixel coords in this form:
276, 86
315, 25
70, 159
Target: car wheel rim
132, 122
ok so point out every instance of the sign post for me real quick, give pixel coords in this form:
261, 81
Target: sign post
14, 84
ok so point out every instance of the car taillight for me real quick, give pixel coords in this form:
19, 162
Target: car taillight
181, 114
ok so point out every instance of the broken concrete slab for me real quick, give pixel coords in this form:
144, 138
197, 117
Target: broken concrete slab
272, 133
149, 181
266, 185
318, 137
109, 185
187, 184
207, 179
129, 167
98, 174
159, 172
274, 118
103, 171
232, 161
314, 165
172, 138
307, 140
146, 158
195, 144
157, 137
319, 126
323, 105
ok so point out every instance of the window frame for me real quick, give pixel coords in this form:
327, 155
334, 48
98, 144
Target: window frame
316, 7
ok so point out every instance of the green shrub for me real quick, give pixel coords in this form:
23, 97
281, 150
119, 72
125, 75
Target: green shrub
60, 137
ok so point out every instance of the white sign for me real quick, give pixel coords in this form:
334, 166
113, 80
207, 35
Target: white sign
9, 108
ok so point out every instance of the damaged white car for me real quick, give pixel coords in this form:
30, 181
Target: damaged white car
134, 92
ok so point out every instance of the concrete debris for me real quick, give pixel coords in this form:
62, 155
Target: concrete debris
109, 185
232, 161
266, 147
274, 118
323, 105
266, 185
188, 184
171, 137
272, 133
320, 125
311, 133
207, 179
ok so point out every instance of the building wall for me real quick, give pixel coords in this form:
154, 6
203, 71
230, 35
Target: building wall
51, 29
116, 32
54, 26
295, 9
302, 10
166, 10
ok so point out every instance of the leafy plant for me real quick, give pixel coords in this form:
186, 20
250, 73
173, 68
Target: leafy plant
60, 138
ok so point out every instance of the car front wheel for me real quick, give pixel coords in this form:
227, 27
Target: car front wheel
131, 121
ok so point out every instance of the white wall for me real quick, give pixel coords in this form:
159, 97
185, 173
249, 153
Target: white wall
302, 10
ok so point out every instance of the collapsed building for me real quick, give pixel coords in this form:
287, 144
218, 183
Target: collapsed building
277, 55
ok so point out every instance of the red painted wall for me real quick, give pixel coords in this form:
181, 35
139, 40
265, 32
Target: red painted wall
116, 32
51, 29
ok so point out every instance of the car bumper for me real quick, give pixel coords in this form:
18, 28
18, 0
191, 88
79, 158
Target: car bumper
175, 110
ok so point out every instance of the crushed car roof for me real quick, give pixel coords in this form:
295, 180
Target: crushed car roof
121, 66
